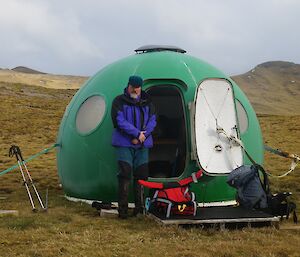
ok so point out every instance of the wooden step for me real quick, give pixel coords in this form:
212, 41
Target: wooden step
9, 212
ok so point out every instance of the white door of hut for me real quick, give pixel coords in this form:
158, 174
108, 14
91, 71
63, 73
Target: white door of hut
215, 122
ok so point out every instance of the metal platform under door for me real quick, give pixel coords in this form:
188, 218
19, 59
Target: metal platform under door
220, 216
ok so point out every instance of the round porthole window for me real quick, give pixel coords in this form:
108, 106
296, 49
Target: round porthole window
242, 117
90, 114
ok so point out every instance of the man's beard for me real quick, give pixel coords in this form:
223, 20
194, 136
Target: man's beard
134, 95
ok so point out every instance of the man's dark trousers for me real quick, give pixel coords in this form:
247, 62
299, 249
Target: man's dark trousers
131, 161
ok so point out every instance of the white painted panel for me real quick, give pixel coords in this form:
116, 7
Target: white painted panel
214, 108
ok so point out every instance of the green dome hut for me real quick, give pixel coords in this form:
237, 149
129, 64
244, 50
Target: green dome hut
198, 108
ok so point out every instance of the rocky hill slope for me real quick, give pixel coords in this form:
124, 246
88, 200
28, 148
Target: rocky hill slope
27, 70
273, 87
27, 76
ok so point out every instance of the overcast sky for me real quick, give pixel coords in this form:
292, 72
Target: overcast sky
79, 37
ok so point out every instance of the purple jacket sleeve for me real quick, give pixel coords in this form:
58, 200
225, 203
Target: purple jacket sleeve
150, 125
127, 127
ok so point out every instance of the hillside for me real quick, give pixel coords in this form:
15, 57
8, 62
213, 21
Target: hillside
273, 87
27, 70
23, 75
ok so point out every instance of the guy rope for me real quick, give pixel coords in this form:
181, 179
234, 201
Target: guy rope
46, 150
295, 159
235, 141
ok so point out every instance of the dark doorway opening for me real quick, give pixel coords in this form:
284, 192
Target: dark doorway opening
168, 156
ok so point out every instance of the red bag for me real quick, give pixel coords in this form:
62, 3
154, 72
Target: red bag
173, 198
174, 201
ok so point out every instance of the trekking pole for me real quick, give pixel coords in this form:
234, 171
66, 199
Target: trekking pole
46, 200
31, 181
14, 151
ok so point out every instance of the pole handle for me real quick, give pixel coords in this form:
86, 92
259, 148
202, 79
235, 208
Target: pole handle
15, 150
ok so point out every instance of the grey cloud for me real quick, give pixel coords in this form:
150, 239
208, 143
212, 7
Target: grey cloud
80, 37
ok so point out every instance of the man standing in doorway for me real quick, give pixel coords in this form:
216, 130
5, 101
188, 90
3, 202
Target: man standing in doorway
134, 120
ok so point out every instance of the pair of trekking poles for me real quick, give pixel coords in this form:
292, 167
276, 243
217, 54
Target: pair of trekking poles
27, 179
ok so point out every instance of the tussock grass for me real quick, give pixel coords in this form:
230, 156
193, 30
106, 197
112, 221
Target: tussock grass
30, 117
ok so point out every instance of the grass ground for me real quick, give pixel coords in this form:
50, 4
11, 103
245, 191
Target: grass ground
30, 117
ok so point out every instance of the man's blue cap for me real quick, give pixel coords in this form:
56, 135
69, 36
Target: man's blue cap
135, 81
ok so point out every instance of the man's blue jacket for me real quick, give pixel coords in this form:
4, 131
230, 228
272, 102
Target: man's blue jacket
130, 117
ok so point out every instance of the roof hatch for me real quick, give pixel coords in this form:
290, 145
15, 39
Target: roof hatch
158, 48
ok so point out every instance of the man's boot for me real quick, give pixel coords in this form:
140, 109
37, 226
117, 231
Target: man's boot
123, 198
138, 198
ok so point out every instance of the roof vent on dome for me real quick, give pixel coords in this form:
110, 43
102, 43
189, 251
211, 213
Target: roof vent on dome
158, 48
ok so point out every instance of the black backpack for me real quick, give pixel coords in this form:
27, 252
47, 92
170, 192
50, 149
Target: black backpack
279, 205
